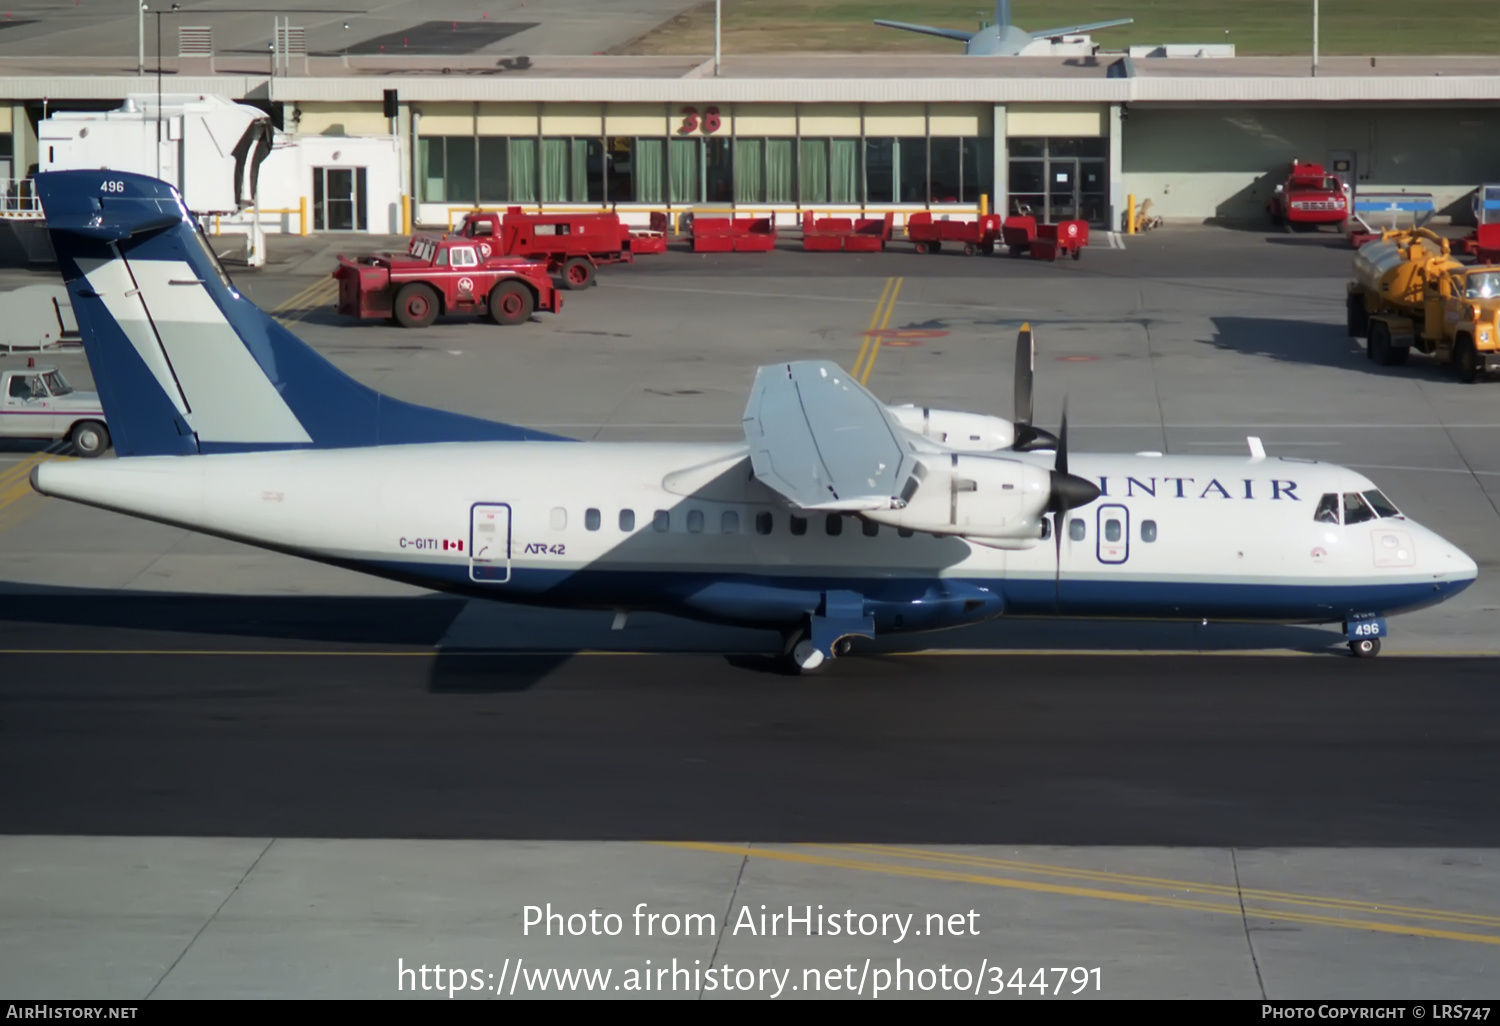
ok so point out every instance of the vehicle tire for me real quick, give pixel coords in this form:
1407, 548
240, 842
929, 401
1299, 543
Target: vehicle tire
578, 273
937, 247
970, 249
1466, 360
988, 249
90, 438
1078, 253
1379, 347
416, 305
924, 248
1365, 648
1015, 251
1356, 318
511, 303
1399, 355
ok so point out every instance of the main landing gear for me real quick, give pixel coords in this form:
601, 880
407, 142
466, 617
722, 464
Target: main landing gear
830, 632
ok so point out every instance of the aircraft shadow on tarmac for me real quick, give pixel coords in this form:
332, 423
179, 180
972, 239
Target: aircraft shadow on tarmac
1313, 344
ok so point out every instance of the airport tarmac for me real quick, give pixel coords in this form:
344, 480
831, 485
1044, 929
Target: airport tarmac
297, 775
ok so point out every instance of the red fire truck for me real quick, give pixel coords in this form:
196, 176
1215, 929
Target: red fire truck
1310, 195
572, 245
443, 275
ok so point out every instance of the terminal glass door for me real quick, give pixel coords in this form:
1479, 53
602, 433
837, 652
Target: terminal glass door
1060, 179
339, 199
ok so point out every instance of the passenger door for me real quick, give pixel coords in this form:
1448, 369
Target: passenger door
1113, 534
489, 542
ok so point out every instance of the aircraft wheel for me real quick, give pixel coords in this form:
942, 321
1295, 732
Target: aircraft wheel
1365, 648
808, 657
416, 305
511, 303
1466, 360
90, 439
577, 273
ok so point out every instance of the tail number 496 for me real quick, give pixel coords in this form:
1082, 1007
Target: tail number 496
112, 185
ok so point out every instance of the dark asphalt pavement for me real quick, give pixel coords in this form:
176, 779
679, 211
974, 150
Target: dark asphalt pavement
394, 740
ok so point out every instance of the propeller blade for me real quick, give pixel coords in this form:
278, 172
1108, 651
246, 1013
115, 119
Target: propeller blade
1025, 365
1030, 439
1060, 464
1059, 524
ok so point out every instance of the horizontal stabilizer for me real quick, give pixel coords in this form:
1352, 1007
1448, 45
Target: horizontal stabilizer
958, 34
820, 440
1074, 30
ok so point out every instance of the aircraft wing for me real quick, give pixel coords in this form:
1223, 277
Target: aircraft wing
958, 34
1073, 30
822, 442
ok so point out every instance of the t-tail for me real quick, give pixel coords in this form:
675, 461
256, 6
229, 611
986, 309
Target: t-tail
184, 363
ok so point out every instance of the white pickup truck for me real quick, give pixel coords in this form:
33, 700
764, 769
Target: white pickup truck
38, 402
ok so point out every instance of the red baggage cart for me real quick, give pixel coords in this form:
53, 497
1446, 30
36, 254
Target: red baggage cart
733, 235
974, 236
850, 235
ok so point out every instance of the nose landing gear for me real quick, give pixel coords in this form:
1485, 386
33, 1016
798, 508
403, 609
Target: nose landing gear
1364, 634
1365, 648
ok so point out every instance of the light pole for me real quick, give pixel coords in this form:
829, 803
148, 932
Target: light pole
140, 27
1315, 39
718, 21
175, 9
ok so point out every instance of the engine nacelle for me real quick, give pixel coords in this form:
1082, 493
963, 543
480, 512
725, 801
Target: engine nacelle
978, 496
966, 432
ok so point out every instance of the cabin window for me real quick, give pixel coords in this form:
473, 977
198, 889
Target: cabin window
1148, 530
661, 521
833, 524
1112, 530
627, 520
559, 519
763, 523
1328, 509
695, 521
1378, 502
905, 532
799, 525
1356, 509
591, 519
870, 527
729, 523
1077, 530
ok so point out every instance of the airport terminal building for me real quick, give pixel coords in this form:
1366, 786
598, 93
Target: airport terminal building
373, 145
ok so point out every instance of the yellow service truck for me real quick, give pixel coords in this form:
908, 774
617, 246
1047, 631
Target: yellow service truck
1409, 293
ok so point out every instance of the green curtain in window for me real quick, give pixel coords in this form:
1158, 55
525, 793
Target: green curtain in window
579, 186
430, 170
844, 166
461, 185
523, 170
813, 179
781, 171
684, 170
555, 170
494, 177
650, 182
749, 164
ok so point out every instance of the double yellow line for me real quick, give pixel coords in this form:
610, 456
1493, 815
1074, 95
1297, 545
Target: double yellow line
864, 363
301, 304
957, 867
15, 485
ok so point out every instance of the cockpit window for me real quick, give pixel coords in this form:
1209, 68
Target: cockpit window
1380, 504
1328, 509
1356, 510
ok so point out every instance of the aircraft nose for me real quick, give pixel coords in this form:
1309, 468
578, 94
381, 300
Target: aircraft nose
1449, 561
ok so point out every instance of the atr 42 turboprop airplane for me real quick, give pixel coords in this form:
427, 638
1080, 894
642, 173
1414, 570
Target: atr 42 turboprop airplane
1002, 39
837, 517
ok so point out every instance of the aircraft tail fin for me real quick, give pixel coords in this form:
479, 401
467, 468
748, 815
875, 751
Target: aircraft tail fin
185, 364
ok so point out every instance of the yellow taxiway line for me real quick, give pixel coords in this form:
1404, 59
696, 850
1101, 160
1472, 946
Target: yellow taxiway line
1231, 908
880, 320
